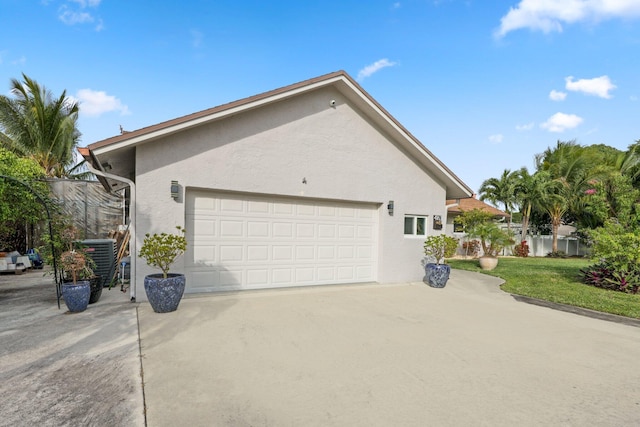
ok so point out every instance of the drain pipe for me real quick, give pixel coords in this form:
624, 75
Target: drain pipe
132, 223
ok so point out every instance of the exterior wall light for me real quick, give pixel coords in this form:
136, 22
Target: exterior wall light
175, 190
390, 207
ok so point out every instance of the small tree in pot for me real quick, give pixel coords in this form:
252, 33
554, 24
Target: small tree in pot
439, 247
76, 293
164, 290
493, 239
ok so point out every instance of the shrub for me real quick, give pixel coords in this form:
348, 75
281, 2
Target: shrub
601, 275
616, 251
472, 247
161, 250
557, 254
440, 247
521, 250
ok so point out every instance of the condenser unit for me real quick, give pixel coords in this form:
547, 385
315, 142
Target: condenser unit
103, 253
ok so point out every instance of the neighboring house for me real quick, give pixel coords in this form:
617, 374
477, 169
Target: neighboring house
310, 184
455, 208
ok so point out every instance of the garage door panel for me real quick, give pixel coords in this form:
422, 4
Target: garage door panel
258, 276
257, 229
204, 227
326, 252
305, 230
283, 276
204, 254
345, 273
254, 207
231, 205
305, 210
282, 230
229, 228
305, 275
230, 253
243, 241
305, 253
346, 231
282, 253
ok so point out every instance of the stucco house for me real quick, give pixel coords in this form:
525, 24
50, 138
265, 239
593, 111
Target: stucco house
310, 184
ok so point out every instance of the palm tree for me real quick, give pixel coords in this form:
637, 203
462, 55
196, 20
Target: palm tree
569, 168
36, 125
528, 192
501, 191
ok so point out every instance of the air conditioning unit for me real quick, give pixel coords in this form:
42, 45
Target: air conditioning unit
103, 253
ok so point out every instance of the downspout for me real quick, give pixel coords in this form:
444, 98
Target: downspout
132, 225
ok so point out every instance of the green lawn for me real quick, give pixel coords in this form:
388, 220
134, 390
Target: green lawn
556, 280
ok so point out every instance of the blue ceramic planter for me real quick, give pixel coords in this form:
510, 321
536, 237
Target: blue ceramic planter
437, 275
76, 297
164, 295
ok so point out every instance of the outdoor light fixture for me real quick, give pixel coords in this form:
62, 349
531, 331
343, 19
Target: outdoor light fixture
175, 190
390, 207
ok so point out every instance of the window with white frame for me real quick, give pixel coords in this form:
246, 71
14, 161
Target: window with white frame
415, 225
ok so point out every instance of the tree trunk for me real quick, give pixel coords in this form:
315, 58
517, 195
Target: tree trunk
525, 222
555, 224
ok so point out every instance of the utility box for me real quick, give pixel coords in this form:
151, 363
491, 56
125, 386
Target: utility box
103, 253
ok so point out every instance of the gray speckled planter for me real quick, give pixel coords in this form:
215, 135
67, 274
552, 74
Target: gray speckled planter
76, 297
164, 294
437, 275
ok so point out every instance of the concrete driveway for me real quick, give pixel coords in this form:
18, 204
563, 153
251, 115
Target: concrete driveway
376, 355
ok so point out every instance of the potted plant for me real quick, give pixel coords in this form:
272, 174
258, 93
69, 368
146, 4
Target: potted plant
493, 239
76, 293
164, 290
439, 247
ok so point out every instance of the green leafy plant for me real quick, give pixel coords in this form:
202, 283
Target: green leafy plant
440, 247
616, 250
161, 250
492, 238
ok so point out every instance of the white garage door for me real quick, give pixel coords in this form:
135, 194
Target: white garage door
238, 241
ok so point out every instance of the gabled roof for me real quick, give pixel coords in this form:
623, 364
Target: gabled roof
117, 153
471, 203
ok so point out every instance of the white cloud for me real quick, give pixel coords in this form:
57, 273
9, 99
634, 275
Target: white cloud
551, 15
525, 127
85, 3
376, 66
74, 12
560, 122
94, 103
72, 17
598, 86
555, 95
496, 138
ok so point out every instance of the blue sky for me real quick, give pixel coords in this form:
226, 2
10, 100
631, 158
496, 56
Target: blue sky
485, 85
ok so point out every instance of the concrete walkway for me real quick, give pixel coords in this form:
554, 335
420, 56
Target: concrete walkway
377, 355
62, 369
359, 355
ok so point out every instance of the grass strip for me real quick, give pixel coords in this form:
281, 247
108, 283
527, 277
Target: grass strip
556, 280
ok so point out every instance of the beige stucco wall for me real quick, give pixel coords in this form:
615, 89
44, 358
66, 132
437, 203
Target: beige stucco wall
339, 152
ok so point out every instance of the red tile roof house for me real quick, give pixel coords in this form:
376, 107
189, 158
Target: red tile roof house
455, 208
310, 184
